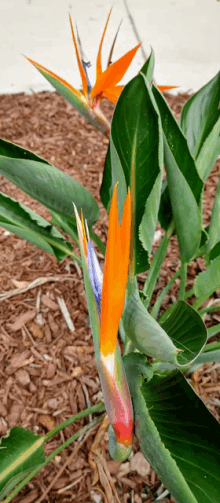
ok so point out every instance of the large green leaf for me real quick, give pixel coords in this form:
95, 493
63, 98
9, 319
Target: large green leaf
20, 452
14, 151
186, 211
186, 329
214, 226
178, 435
200, 114
209, 152
25, 223
49, 186
78, 103
184, 185
207, 282
137, 139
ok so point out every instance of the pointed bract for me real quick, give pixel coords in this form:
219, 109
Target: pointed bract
115, 274
40, 67
114, 73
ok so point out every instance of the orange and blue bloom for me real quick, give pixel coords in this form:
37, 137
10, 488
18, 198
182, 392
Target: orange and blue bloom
87, 101
109, 291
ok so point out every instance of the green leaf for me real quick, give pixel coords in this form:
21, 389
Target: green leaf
20, 452
49, 186
186, 329
200, 114
184, 184
209, 152
203, 243
148, 67
213, 330
186, 212
146, 333
8, 149
137, 139
79, 104
207, 282
65, 225
25, 223
178, 435
150, 217
214, 253
214, 227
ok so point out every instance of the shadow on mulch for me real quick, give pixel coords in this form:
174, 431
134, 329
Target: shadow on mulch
47, 368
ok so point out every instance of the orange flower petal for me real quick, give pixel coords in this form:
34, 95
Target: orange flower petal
166, 88
113, 93
114, 73
115, 274
98, 61
84, 240
40, 67
81, 69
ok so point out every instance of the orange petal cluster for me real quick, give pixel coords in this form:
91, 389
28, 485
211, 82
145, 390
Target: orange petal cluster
115, 274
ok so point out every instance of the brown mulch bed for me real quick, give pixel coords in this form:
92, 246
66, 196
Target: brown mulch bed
47, 371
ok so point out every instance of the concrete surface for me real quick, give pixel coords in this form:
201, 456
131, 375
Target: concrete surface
184, 34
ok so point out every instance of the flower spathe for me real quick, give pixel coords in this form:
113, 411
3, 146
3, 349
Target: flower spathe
106, 81
87, 101
112, 288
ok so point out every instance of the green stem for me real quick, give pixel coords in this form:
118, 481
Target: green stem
208, 309
52, 456
95, 408
156, 265
183, 281
155, 310
189, 293
213, 330
212, 346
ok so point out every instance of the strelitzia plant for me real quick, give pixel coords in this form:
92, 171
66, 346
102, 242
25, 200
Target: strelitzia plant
177, 434
109, 296
87, 101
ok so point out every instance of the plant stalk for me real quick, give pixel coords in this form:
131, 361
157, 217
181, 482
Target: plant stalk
155, 310
183, 281
100, 407
156, 265
209, 309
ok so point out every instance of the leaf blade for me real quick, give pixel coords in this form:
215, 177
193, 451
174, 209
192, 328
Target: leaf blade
52, 187
168, 414
21, 451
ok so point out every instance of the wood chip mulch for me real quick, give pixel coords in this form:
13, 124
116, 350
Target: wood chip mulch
47, 365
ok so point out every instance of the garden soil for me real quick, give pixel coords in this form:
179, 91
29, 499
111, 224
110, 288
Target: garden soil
47, 366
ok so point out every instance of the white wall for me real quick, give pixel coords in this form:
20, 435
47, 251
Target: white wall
185, 35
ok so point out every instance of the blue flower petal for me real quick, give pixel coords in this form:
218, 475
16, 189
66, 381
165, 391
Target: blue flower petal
95, 275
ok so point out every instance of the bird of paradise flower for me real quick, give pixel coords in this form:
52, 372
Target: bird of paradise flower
109, 291
87, 101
